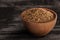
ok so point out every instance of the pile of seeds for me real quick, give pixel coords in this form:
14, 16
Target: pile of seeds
38, 15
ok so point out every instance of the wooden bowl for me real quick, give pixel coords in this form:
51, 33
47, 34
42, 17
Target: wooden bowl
40, 29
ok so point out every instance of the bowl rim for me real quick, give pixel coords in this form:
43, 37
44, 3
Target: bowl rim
55, 15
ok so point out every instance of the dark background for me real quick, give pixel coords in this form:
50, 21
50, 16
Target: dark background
11, 26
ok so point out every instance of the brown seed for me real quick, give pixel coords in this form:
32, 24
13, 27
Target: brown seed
38, 15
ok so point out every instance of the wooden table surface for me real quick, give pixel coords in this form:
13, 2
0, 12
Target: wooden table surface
12, 28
